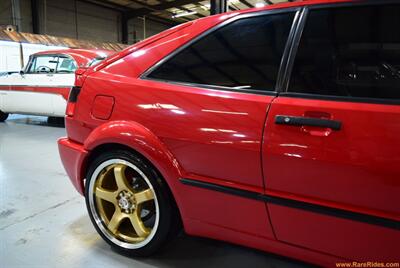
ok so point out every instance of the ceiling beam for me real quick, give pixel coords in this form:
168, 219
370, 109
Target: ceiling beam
244, 2
185, 9
126, 10
162, 20
160, 7
151, 7
190, 10
106, 5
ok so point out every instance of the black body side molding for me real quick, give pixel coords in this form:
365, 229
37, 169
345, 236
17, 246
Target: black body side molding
330, 211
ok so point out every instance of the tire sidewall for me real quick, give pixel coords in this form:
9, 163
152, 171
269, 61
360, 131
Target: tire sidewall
3, 116
164, 203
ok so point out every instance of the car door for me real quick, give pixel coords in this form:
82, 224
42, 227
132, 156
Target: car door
40, 70
331, 143
24, 89
37, 91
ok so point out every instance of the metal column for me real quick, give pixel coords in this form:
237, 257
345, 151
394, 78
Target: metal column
39, 14
218, 6
124, 28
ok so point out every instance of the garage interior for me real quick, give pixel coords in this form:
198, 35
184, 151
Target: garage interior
43, 220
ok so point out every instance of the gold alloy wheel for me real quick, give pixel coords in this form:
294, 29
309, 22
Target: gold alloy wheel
123, 203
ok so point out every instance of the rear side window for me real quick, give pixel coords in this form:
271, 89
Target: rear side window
352, 51
245, 54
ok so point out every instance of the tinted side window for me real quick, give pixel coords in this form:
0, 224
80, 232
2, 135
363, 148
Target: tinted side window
244, 54
352, 51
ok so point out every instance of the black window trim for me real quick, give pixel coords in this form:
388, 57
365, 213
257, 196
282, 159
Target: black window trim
293, 52
283, 64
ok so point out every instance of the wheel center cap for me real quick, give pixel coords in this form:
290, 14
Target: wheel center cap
126, 201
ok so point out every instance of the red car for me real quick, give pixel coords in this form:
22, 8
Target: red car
276, 128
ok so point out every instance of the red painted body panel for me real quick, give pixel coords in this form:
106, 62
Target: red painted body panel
229, 124
362, 156
355, 169
203, 229
73, 156
230, 139
102, 107
356, 241
63, 91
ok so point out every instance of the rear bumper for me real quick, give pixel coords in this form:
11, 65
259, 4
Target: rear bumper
73, 157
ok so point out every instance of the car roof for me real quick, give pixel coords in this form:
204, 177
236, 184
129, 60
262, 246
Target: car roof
209, 20
82, 56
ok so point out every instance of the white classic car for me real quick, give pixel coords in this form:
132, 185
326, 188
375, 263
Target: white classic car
43, 86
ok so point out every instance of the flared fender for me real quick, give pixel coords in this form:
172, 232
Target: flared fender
140, 139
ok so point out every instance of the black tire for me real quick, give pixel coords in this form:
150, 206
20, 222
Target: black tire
168, 214
3, 116
56, 121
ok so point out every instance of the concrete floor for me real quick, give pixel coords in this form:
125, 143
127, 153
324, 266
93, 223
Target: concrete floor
44, 223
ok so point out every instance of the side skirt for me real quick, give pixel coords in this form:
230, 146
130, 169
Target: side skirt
335, 212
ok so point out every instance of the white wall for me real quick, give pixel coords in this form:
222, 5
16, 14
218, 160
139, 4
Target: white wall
10, 56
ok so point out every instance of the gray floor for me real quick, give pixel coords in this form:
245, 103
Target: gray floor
44, 223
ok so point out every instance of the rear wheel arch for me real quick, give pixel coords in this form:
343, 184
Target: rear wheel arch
112, 147
134, 137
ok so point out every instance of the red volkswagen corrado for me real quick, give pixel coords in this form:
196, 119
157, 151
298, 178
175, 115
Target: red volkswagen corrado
43, 86
275, 128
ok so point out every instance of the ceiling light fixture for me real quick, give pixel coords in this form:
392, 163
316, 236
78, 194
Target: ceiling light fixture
184, 14
260, 5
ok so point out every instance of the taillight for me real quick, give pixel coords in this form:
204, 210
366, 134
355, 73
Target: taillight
72, 99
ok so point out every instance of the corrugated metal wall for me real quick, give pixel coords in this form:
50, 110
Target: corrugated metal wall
78, 20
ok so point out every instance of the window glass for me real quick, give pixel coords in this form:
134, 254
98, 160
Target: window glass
44, 64
244, 54
66, 65
96, 61
351, 51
